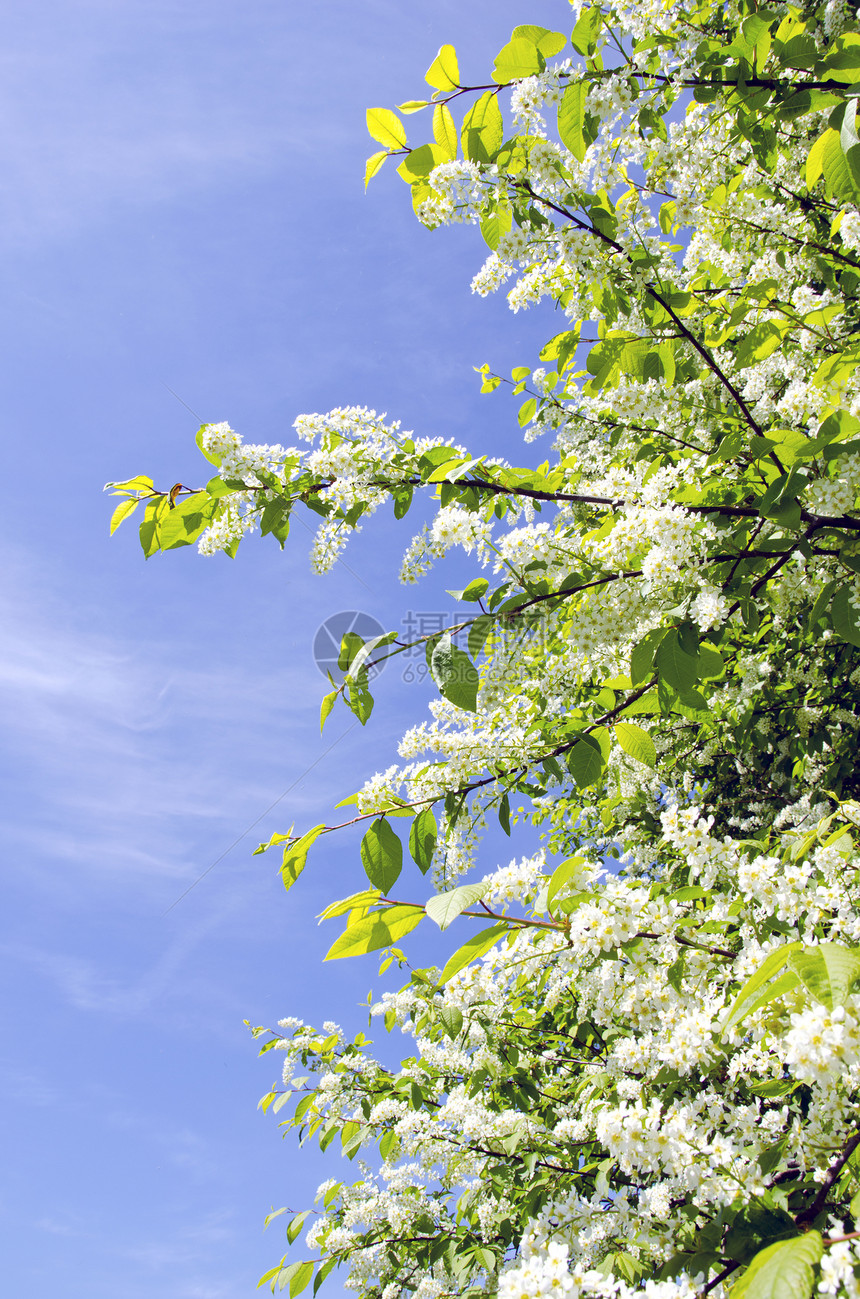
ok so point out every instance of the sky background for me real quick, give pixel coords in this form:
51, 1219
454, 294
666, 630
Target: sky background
186, 237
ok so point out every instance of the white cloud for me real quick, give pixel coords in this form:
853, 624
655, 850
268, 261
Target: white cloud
122, 749
132, 779
109, 104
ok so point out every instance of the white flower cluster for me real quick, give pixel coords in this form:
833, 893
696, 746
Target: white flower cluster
658, 1005
677, 608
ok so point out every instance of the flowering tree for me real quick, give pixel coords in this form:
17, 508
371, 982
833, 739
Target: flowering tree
640, 1073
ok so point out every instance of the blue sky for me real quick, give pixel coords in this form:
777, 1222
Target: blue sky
183, 210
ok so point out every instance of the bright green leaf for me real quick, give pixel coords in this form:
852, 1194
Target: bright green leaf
587, 29
585, 763
571, 118
443, 73
326, 706
782, 1271
767, 971
445, 130
828, 971
381, 855
371, 167
519, 58
366, 898
455, 674
679, 669
379, 929
446, 907
122, 511
636, 742
845, 616
296, 856
422, 839
482, 131
478, 945
386, 127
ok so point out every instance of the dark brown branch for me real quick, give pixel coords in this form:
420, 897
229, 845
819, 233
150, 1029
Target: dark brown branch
689, 942
657, 297
497, 775
720, 1277
809, 1215
569, 498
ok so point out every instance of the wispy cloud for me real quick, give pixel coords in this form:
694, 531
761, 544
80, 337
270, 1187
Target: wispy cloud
136, 103
120, 749
129, 781
27, 1087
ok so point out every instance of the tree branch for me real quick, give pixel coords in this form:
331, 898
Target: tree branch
808, 1216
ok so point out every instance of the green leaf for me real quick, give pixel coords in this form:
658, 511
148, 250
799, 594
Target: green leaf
782, 1271
359, 700
373, 164
296, 856
845, 616
769, 968
451, 1020
276, 1213
827, 159
275, 519
137, 484
495, 225
587, 29
183, 524
455, 674
280, 1275
828, 971
785, 983
642, 657
519, 58
445, 130
446, 907
366, 898
571, 118
401, 495
711, 663
276, 838
679, 669
761, 342
443, 73
482, 132
647, 705
300, 1279
505, 814
122, 511
526, 412
560, 876
475, 589
585, 763
478, 633
379, 929
757, 1223
386, 127
381, 855
326, 706
148, 530
419, 162
478, 945
560, 348
549, 43
295, 1225
636, 742
422, 839
849, 141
